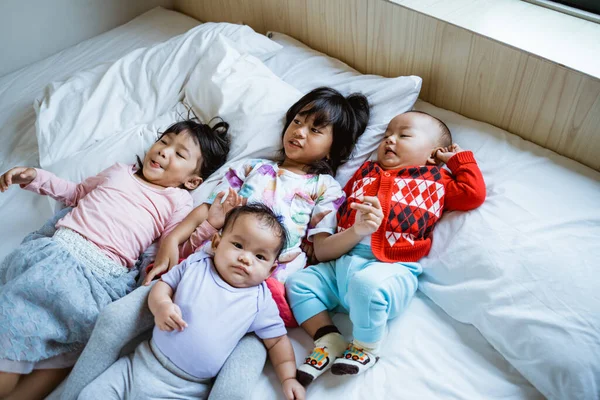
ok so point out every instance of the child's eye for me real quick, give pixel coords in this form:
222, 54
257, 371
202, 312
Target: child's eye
315, 130
163, 141
404, 136
261, 257
297, 121
237, 245
179, 155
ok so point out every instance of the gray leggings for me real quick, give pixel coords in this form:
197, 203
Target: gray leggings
124, 324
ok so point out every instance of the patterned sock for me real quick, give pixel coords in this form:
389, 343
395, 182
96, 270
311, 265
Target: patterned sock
329, 344
357, 358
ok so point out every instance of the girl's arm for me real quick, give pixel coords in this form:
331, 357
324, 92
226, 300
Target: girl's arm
168, 253
46, 183
282, 357
369, 216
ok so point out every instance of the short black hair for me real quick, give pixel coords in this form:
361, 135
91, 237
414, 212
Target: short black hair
212, 139
348, 117
265, 215
445, 136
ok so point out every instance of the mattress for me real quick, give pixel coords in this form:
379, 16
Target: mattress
427, 353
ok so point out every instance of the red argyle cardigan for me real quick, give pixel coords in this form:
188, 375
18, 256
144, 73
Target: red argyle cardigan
412, 199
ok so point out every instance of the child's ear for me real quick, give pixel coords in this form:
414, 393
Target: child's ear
192, 182
216, 239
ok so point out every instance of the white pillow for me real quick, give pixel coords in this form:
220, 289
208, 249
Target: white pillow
306, 69
246, 94
123, 147
523, 267
93, 105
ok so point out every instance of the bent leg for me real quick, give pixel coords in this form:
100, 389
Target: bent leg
113, 384
118, 324
8, 382
377, 293
241, 371
38, 384
312, 293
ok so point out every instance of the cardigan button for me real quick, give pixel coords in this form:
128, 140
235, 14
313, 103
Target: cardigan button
386, 173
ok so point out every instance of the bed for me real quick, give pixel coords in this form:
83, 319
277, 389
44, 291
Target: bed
461, 338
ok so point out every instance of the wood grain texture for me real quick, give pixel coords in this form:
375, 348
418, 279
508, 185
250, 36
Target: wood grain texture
480, 78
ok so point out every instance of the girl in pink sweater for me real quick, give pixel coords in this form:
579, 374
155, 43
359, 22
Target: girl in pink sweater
53, 286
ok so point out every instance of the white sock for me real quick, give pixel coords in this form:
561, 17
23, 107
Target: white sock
358, 357
327, 349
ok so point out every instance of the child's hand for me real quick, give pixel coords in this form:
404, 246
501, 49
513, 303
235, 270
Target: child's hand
443, 154
17, 175
369, 216
220, 208
166, 258
293, 390
168, 317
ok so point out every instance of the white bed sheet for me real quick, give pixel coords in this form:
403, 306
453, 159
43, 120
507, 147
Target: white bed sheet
21, 211
428, 354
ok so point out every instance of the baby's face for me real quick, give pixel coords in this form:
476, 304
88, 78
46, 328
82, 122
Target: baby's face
410, 139
246, 253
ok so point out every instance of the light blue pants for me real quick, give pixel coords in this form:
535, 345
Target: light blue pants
370, 291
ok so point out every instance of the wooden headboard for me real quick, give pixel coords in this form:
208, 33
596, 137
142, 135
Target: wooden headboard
540, 101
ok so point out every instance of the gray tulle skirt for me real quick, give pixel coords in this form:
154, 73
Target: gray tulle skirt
49, 302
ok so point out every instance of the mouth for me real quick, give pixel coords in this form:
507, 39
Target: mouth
389, 151
240, 268
295, 143
154, 164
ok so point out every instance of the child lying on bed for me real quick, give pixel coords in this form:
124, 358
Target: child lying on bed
319, 134
202, 308
385, 226
52, 287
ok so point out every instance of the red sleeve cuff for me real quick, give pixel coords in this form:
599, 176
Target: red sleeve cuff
464, 157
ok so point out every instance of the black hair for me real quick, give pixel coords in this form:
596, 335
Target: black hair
348, 117
211, 138
265, 215
445, 136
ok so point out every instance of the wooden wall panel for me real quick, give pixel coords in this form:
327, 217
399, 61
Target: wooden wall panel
464, 72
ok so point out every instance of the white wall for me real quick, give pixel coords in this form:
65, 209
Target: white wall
31, 30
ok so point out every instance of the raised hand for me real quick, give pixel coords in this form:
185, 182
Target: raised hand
168, 317
17, 176
443, 154
369, 215
220, 208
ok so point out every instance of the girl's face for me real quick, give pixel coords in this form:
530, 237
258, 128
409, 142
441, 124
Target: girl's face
304, 143
173, 161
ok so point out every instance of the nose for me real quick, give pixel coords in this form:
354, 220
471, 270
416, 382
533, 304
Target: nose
300, 132
244, 258
390, 139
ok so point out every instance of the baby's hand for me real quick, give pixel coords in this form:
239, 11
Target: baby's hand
220, 208
168, 317
17, 175
166, 258
443, 154
293, 390
369, 216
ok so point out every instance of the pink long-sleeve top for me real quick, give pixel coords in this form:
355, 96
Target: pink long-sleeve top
116, 211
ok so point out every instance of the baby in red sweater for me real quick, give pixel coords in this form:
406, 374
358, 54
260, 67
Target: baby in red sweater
384, 229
